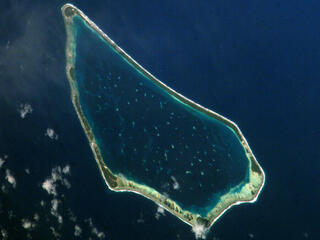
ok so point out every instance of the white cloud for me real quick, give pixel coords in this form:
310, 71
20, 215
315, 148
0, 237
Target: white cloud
11, 214
72, 217
160, 212
54, 210
51, 134
36, 217
251, 235
27, 170
19, 57
140, 219
27, 224
55, 233
200, 231
50, 186
66, 169
94, 230
10, 178
66, 183
24, 109
2, 161
175, 185
165, 186
77, 231
4, 234
57, 176
54, 206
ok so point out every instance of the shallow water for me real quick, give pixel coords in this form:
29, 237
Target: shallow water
149, 136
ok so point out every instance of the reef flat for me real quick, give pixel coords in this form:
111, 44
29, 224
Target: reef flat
143, 134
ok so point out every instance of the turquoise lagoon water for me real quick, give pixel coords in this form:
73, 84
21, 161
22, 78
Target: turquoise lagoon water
150, 137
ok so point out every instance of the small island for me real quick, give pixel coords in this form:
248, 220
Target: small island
138, 139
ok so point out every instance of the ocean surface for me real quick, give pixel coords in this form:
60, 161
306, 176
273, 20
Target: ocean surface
256, 63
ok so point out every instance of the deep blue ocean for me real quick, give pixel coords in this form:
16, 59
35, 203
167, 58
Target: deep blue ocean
255, 62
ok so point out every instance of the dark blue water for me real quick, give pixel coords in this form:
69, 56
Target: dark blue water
147, 135
254, 62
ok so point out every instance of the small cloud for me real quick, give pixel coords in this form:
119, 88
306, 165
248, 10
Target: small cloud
66, 183
54, 210
36, 217
160, 212
94, 230
50, 186
72, 217
77, 231
4, 234
140, 219
251, 235
57, 176
24, 109
66, 169
54, 205
27, 224
11, 215
10, 178
165, 186
175, 185
2, 161
200, 231
27, 170
55, 233
51, 134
